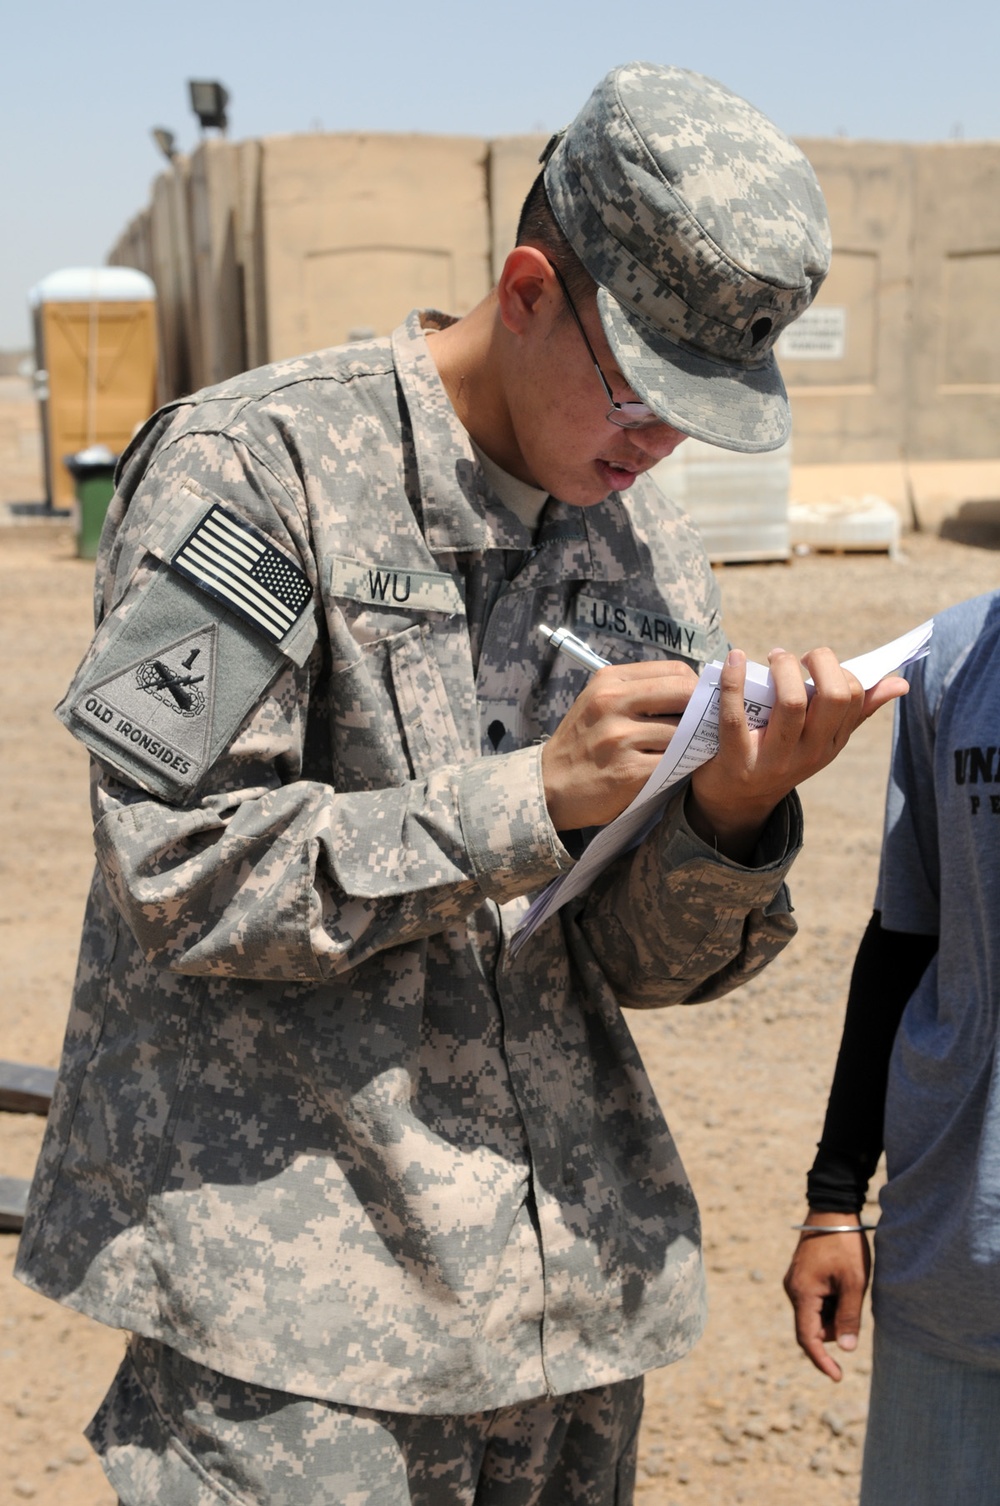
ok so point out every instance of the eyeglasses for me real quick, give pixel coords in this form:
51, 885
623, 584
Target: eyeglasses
622, 415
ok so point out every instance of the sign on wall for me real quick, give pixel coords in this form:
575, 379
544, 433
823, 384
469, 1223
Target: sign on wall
820, 334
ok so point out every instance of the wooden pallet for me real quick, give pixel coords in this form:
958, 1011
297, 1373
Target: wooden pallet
23, 1090
13, 1202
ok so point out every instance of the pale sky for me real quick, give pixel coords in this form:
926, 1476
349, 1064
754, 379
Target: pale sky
81, 86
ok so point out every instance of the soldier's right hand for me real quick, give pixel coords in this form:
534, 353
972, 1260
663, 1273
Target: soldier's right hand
611, 739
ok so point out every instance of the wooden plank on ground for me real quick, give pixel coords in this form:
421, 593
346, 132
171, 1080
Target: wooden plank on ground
25, 1090
13, 1201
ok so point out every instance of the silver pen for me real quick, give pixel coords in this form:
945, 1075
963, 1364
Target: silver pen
574, 647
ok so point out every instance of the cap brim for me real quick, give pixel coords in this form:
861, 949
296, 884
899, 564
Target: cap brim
734, 407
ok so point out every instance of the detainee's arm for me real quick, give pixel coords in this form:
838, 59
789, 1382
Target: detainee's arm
828, 1274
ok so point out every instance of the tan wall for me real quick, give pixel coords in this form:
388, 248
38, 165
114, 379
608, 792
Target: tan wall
134, 246
859, 400
513, 167
172, 273
250, 252
263, 249
916, 277
213, 199
357, 230
954, 396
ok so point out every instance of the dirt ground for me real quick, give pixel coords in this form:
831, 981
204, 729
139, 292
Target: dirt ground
744, 1418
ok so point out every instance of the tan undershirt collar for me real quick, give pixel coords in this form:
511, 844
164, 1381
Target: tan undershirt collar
524, 501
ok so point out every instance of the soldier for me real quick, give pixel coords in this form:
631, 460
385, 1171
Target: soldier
390, 1214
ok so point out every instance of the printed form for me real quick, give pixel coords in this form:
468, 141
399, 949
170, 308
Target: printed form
693, 743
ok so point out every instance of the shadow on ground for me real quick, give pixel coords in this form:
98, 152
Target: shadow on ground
976, 524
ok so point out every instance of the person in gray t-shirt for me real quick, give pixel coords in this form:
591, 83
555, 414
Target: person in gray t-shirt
919, 1068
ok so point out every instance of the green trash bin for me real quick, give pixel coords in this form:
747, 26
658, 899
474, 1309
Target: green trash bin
93, 472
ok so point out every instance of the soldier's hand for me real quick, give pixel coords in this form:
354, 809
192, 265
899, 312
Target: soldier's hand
733, 794
611, 739
825, 1284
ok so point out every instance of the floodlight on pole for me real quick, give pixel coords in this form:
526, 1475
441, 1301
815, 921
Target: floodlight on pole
209, 99
166, 141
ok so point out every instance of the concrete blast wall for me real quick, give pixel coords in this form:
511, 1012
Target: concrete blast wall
908, 360
264, 249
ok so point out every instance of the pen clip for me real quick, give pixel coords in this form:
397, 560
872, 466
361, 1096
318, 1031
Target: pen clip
574, 647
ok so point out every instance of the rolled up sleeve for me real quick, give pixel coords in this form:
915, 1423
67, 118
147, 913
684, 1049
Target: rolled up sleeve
677, 922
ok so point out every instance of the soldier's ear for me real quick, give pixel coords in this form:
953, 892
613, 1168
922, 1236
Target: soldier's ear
527, 291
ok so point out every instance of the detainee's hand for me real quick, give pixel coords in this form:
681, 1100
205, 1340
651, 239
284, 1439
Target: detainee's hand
734, 793
611, 739
826, 1283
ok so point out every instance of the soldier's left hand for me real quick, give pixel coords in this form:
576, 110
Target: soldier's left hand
734, 793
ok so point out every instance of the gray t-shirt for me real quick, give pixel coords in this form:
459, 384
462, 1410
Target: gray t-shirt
937, 1269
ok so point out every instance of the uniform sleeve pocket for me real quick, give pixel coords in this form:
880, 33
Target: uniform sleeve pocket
390, 716
425, 716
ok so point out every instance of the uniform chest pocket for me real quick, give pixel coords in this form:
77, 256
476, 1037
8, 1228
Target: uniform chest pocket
390, 716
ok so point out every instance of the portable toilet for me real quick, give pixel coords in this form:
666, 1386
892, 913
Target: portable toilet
95, 352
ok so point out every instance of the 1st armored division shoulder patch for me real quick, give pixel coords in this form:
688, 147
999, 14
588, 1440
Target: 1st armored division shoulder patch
168, 681
159, 708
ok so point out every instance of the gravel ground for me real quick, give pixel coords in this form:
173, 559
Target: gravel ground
743, 1081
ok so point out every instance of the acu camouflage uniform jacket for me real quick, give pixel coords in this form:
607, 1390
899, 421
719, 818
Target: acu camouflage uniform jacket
314, 1127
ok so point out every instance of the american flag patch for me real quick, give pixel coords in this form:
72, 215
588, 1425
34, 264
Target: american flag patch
231, 560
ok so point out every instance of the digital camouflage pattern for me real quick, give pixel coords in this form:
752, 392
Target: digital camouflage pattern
706, 231
171, 1431
314, 1127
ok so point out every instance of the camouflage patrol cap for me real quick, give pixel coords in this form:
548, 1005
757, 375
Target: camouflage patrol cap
706, 232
